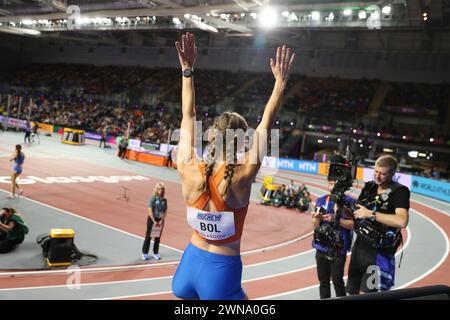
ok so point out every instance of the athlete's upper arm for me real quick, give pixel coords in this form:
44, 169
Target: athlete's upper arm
186, 143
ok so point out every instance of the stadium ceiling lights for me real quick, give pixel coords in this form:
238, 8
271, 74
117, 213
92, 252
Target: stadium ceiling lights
347, 12
413, 154
27, 22
82, 21
268, 17
375, 15
422, 155
315, 16
386, 10
290, 16
362, 15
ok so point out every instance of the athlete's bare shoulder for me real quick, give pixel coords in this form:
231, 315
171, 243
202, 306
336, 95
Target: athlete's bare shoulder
191, 179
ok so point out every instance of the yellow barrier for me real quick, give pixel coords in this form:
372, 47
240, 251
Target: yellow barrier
73, 136
45, 127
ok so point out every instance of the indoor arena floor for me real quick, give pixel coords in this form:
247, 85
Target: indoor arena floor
83, 188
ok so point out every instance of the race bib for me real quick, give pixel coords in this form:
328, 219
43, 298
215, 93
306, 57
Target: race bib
211, 225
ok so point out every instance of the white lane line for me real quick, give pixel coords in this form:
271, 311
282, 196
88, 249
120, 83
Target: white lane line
87, 270
168, 277
134, 296
160, 264
434, 208
168, 263
141, 266
271, 276
279, 245
279, 274
437, 201
84, 284
92, 221
437, 265
289, 292
133, 235
317, 285
245, 281
279, 259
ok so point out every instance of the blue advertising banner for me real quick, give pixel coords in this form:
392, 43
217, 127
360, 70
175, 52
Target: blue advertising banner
298, 165
432, 188
92, 136
13, 122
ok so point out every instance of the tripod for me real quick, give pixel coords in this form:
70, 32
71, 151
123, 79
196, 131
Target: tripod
126, 194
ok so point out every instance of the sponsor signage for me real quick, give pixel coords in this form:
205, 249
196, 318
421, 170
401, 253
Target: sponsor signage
298, 165
134, 144
404, 179
149, 146
430, 187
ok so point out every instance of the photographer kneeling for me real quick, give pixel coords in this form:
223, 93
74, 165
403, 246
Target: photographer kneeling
378, 227
12, 230
331, 240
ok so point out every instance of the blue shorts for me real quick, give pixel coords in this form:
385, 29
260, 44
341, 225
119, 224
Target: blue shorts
17, 169
208, 276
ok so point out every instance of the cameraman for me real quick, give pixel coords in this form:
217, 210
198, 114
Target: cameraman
378, 224
330, 264
12, 230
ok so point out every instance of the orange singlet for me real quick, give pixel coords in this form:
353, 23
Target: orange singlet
219, 203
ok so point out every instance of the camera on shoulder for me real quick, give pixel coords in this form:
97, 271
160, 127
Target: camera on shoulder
330, 234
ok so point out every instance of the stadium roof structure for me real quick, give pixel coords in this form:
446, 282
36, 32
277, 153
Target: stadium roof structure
230, 17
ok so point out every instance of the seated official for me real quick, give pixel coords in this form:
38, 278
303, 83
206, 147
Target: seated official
12, 229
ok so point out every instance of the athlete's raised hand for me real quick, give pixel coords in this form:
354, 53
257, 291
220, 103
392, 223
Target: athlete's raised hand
187, 51
282, 65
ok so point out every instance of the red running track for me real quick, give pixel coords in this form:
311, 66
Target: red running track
265, 226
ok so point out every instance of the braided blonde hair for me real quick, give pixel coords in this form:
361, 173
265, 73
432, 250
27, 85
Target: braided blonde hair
227, 120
